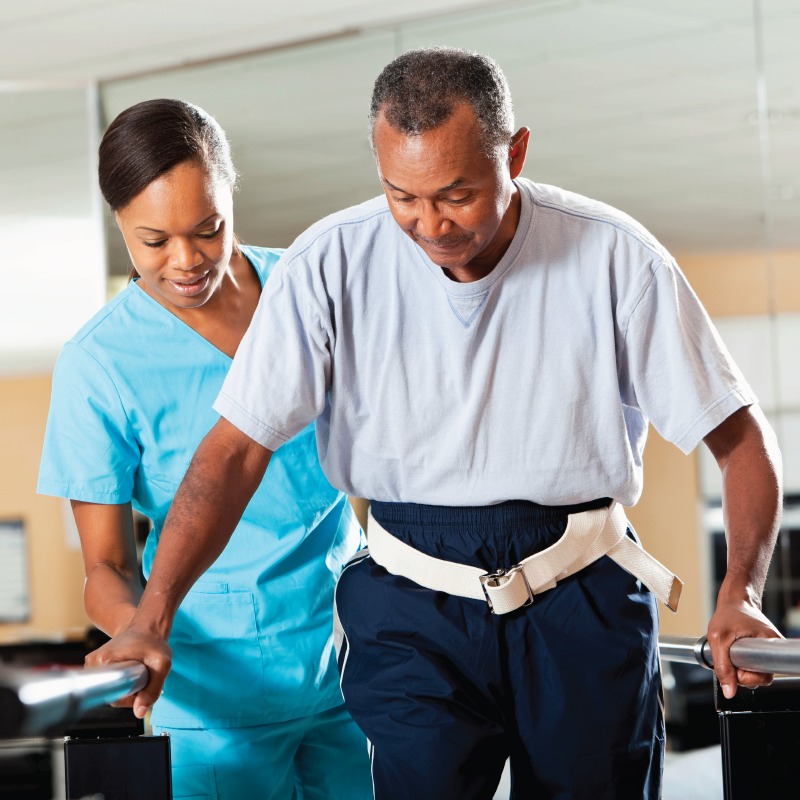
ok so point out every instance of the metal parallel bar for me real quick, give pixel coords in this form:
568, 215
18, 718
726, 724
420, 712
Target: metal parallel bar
35, 701
778, 656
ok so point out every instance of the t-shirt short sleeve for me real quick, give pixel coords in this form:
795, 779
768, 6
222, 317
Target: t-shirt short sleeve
679, 370
279, 377
90, 452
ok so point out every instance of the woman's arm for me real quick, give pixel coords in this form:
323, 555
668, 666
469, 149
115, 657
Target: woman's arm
113, 588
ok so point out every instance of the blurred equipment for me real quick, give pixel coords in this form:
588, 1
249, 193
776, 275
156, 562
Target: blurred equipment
34, 701
100, 751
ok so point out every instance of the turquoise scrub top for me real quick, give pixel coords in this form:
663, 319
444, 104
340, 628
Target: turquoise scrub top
132, 399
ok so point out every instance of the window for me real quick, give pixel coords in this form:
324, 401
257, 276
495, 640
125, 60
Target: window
14, 595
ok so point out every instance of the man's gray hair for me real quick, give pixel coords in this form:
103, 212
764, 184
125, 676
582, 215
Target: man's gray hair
419, 90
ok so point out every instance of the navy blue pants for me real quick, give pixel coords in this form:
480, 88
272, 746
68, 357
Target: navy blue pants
569, 688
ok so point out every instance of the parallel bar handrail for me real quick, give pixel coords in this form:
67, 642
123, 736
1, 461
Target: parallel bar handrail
33, 701
777, 656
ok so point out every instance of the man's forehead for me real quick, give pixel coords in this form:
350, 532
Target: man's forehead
439, 190
459, 132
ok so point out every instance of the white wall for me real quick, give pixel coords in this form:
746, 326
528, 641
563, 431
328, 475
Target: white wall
52, 272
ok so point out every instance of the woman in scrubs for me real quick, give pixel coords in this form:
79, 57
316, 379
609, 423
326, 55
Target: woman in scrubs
252, 704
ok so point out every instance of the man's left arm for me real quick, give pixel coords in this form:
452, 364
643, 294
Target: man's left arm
746, 450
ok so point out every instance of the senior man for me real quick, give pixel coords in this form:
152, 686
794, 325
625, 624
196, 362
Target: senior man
482, 355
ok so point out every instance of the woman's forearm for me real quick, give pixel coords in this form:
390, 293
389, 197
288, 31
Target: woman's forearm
111, 596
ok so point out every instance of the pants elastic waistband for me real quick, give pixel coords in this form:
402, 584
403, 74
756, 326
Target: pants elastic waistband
515, 512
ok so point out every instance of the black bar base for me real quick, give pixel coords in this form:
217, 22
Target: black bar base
760, 733
136, 768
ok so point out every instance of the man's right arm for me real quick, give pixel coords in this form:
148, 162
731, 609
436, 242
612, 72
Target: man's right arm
224, 474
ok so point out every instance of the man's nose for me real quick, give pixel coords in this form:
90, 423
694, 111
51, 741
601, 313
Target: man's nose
431, 223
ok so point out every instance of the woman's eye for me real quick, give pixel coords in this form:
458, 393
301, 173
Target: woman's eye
210, 234
157, 243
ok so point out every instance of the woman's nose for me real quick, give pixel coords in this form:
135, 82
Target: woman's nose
185, 255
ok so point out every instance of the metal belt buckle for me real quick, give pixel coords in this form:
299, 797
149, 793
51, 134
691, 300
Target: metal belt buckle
492, 579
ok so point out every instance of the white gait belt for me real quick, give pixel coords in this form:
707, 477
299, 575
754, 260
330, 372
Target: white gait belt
589, 535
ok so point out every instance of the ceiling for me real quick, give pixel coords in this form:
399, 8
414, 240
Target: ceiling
72, 41
684, 114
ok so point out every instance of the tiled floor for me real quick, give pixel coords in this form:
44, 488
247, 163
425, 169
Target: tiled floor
504, 789
694, 775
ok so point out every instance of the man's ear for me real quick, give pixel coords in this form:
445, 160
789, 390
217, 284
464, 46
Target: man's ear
517, 151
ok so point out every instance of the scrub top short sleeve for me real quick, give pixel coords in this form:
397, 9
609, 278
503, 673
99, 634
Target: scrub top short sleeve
89, 449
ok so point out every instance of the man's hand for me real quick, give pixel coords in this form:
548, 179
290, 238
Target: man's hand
224, 474
746, 450
135, 645
737, 619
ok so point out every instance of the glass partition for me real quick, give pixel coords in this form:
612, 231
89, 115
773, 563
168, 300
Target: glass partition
651, 108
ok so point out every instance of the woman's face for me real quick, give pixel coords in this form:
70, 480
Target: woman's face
179, 234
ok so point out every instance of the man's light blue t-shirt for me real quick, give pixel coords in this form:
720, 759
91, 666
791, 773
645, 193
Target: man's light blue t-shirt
536, 382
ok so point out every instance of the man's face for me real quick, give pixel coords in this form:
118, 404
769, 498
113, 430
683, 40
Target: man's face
458, 205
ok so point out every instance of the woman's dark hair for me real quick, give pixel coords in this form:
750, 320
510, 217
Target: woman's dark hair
150, 138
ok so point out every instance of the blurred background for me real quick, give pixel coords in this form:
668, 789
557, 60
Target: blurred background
686, 115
